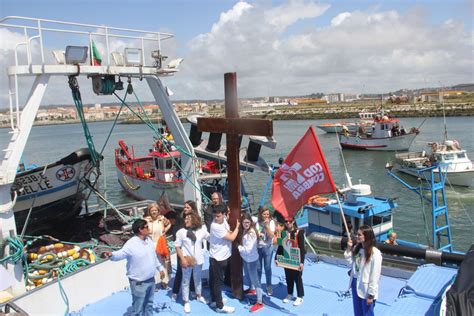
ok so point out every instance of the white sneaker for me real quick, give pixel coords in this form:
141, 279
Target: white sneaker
213, 304
187, 308
201, 299
287, 298
226, 309
298, 301
174, 296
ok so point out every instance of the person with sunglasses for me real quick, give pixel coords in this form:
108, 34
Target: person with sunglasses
296, 237
139, 251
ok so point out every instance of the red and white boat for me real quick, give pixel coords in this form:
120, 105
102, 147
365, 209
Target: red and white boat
386, 135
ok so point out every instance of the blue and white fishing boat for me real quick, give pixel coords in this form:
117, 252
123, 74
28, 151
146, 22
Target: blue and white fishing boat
51, 194
101, 288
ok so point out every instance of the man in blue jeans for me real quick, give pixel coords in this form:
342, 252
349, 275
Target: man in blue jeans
141, 266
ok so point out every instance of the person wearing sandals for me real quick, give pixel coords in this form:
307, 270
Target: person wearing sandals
158, 226
294, 276
188, 208
266, 230
248, 252
366, 262
188, 244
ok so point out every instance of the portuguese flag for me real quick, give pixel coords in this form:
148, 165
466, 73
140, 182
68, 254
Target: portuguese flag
96, 59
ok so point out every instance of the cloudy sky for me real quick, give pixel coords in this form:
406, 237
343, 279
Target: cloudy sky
294, 47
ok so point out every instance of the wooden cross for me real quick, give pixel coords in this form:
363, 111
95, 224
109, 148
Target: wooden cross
234, 126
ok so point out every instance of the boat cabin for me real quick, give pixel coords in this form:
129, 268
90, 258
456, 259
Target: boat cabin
386, 127
165, 166
358, 210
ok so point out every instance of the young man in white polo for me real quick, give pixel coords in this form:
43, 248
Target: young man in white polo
220, 240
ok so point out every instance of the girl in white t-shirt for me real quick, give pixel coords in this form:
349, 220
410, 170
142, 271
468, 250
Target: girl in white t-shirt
265, 226
248, 252
189, 249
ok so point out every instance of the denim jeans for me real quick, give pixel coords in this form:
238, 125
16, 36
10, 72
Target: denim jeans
265, 256
195, 272
360, 305
142, 296
250, 269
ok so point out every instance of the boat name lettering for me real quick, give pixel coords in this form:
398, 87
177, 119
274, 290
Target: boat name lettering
305, 181
29, 184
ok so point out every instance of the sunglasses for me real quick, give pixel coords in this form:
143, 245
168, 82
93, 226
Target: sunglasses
144, 227
246, 222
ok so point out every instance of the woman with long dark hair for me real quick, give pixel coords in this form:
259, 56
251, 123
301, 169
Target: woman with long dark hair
366, 262
248, 252
265, 226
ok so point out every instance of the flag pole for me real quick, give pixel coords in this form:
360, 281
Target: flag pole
342, 214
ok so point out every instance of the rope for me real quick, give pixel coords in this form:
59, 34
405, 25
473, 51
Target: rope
16, 250
76, 95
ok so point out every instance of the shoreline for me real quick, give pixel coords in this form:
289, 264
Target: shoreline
311, 112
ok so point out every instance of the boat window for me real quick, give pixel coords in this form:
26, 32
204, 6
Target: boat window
381, 218
461, 155
448, 157
160, 164
368, 220
169, 163
336, 219
156, 163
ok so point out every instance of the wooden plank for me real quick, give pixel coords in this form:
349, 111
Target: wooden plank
237, 126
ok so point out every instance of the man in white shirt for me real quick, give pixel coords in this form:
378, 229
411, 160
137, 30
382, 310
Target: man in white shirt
141, 266
220, 240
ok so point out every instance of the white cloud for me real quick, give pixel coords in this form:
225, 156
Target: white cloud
290, 49
373, 50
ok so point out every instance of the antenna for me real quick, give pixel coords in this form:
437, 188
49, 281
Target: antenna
441, 97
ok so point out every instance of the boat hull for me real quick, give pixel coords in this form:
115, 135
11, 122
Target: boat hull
396, 143
149, 189
53, 193
458, 178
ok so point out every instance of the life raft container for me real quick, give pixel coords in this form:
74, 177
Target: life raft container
317, 200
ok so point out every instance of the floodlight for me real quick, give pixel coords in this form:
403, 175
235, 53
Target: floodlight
76, 54
133, 57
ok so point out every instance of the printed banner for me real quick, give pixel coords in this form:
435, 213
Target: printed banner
303, 174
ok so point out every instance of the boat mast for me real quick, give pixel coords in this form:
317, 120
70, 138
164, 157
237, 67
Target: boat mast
22, 117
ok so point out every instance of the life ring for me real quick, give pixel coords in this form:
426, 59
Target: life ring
318, 200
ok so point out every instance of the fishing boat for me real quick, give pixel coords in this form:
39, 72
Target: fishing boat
364, 123
100, 287
53, 193
458, 168
386, 135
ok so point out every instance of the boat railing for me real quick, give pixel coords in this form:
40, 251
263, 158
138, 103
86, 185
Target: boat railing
86, 33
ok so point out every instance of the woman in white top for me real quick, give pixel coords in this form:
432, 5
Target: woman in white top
266, 230
189, 249
248, 252
366, 262
158, 225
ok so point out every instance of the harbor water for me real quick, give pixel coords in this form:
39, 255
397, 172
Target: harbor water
47, 144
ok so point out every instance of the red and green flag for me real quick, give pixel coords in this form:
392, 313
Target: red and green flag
96, 59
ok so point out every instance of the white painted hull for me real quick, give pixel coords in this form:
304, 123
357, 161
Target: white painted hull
56, 195
149, 189
395, 143
459, 178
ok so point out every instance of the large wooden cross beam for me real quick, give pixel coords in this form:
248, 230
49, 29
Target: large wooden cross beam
234, 126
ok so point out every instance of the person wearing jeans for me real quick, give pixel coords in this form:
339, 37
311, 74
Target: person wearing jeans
189, 249
249, 254
265, 227
220, 240
141, 266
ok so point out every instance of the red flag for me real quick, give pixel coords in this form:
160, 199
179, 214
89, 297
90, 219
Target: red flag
303, 174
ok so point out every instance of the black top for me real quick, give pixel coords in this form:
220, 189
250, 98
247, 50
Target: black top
300, 240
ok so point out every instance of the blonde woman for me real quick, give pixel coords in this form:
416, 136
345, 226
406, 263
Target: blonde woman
158, 226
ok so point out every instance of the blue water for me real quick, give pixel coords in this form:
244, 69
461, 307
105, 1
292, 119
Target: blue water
48, 143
